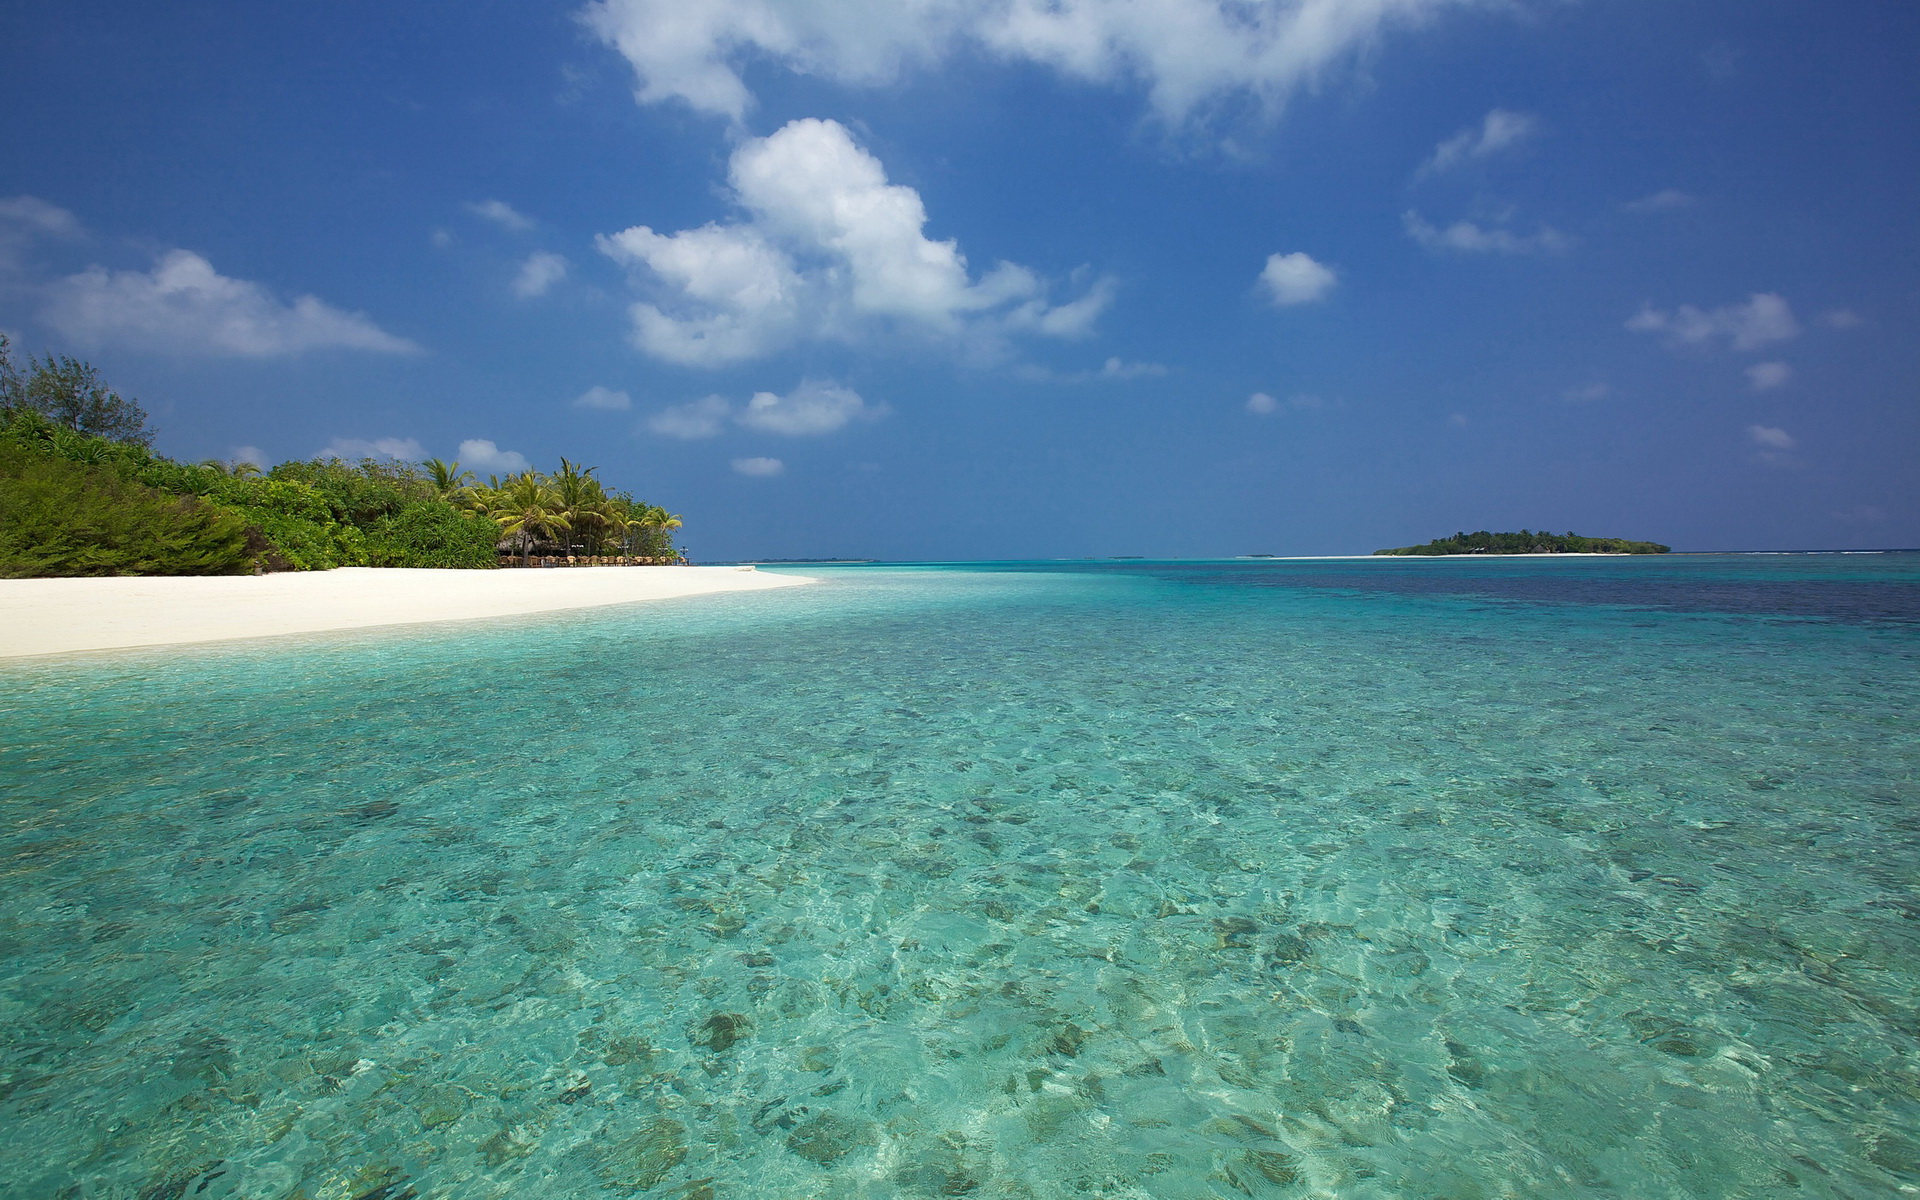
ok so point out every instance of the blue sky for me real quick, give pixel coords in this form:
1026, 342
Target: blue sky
925, 279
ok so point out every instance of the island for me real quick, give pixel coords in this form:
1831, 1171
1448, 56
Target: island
1527, 542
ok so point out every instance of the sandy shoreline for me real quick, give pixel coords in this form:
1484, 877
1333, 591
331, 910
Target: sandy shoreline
62, 616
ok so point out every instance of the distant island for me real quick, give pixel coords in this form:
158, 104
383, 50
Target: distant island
1528, 542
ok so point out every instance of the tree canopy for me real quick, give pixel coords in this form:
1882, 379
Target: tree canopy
1527, 542
69, 392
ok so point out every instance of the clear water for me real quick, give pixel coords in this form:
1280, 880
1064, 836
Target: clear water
1387, 879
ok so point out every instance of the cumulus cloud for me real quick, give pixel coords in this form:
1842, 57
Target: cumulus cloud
1662, 201
1296, 279
541, 271
1586, 393
603, 398
34, 216
1114, 368
355, 449
814, 407
27, 219
1500, 130
811, 408
703, 418
759, 467
500, 213
1260, 404
828, 248
1770, 438
1468, 238
184, 306
1764, 318
1768, 375
1840, 318
480, 454
1188, 54
249, 454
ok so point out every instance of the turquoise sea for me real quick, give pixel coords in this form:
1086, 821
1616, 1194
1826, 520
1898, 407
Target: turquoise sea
1430, 878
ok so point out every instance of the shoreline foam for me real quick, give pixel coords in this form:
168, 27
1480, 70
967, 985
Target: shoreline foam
65, 616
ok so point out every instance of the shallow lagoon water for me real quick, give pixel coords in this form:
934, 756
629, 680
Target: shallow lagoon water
1439, 879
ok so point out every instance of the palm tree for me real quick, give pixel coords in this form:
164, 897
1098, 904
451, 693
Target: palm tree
582, 500
664, 522
526, 506
454, 485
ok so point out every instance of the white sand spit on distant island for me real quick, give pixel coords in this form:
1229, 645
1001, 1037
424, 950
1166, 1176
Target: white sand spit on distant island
60, 616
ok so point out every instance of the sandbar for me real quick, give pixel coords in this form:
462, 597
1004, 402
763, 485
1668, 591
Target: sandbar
64, 616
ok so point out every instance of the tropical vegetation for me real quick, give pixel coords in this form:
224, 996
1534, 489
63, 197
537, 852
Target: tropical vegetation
83, 493
1529, 542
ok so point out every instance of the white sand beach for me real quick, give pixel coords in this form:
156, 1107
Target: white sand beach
61, 616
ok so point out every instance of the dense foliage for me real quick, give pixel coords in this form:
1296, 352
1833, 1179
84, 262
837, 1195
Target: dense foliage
61, 517
82, 494
569, 512
1529, 542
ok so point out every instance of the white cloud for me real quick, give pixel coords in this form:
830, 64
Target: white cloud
34, 215
1586, 393
703, 418
1840, 318
249, 454
1770, 438
355, 449
814, 407
1260, 404
1296, 279
1457, 420
829, 247
759, 467
741, 297
1765, 317
603, 398
541, 271
441, 238
811, 408
1661, 201
479, 454
1469, 238
184, 306
1768, 375
1190, 55
1501, 129
26, 219
1114, 368
500, 213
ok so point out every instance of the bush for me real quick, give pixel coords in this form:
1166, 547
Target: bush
361, 493
59, 517
433, 534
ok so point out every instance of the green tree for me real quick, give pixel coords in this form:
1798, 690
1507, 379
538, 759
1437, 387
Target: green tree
662, 524
527, 506
582, 501
448, 479
70, 392
13, 385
